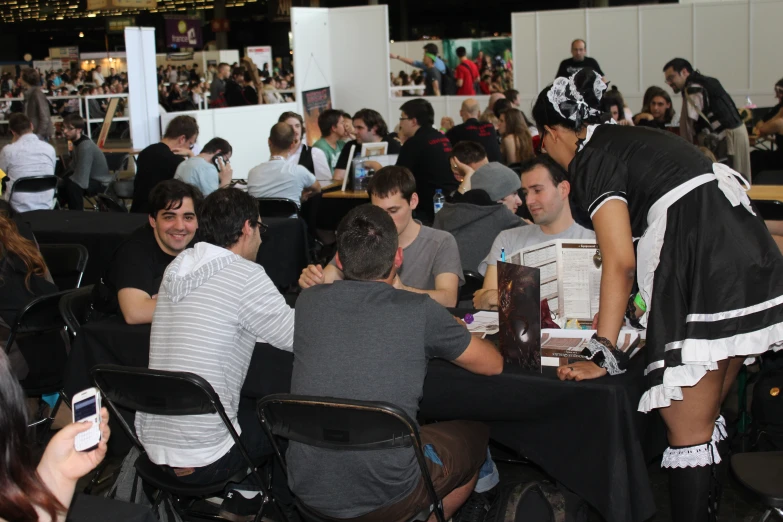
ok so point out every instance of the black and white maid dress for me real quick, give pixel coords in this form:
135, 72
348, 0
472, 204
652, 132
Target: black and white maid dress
707, 267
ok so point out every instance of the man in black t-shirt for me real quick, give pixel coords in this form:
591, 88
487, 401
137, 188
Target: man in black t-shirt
426, 153
130, 284
370, 128
159, 161
578, 61
471, 129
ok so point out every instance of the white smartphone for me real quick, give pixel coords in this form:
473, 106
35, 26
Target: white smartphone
87, 408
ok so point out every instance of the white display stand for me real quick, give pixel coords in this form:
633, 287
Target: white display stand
142, 86
246, 128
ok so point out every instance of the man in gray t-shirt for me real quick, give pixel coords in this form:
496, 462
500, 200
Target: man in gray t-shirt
431, 262
362, 339
546, 195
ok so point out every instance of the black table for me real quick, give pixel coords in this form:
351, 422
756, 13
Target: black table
584, 434
283, 252
87, 508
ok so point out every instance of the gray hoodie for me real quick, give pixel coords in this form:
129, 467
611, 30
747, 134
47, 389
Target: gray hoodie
475, 227
212, 306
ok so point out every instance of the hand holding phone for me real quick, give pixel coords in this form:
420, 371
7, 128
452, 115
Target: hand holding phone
87, 408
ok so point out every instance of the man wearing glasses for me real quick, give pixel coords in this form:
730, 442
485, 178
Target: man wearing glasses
213, 304
90, 170
159, 161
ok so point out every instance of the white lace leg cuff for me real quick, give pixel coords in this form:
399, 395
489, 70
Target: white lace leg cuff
691, 456
610, 362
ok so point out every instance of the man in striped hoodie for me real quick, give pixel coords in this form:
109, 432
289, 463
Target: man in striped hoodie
214, 303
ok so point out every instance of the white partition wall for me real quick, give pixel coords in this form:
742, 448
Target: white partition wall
246, 129
734, 41
360, 44
312, 50
346, 49
142, 83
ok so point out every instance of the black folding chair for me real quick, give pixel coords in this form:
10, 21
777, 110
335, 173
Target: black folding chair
167, 393
342, 425
75, 307
277, 207
66, 263
762, 474
39, 317
473, 281
106, 203
34, 184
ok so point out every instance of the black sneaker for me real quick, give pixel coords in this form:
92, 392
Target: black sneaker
474, 509
237, 508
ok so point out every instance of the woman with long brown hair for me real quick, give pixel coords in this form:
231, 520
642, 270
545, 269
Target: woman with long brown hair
23, 277
516, 144
31, 494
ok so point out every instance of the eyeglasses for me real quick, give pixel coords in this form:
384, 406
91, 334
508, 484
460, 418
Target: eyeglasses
403, 119
262, 227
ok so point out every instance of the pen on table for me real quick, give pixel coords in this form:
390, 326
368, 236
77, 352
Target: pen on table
503, 255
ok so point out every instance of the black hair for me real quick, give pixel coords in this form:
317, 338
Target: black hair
421, 110
282, 136
392, 180
168, 195
469, 152
217, 144
373, 120
181, 126
328, 119
19, 123
544, 113
31, 77
657, 92
779, 84
223, 216
511, 94
74, 120
556, 172
611, 101
678, 64
431, 48
367, 243
461, 53
501, 106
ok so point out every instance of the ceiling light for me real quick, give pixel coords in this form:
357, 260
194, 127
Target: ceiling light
81, 35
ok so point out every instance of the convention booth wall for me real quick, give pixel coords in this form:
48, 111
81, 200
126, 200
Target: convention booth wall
734, 41
345, 49
245, 128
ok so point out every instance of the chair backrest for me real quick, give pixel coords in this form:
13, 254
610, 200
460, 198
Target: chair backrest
116, 161
276, 207
473, 281
338, 424
769, 210
66, 263
74, 307
157, 392
108, 204
33, 184
40, 315
342, 424
122, 188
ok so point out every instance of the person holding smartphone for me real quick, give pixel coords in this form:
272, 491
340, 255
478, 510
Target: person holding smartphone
209, 170
44, 492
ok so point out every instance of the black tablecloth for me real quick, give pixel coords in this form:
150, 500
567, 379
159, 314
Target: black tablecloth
283, 252
584, 434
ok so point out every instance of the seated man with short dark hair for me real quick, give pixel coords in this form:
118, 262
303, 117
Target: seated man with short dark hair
130, 284
214, 302
432, 263
362, 339
90, 168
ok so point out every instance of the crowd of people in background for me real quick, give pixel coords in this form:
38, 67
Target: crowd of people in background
432, 75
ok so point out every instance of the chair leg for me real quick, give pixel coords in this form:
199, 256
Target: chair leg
766, 515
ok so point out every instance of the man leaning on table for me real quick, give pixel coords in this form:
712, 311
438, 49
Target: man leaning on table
431, 263
361, 339
130, 284
546, 193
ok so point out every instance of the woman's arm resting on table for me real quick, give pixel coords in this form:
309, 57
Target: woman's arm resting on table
612, 225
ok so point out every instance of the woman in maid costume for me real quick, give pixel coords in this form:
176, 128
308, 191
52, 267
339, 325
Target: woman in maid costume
710, 276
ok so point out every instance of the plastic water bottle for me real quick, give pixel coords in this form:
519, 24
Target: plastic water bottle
438, 200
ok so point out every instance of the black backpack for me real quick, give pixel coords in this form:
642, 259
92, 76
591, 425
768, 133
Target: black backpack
449, 86
767, 406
